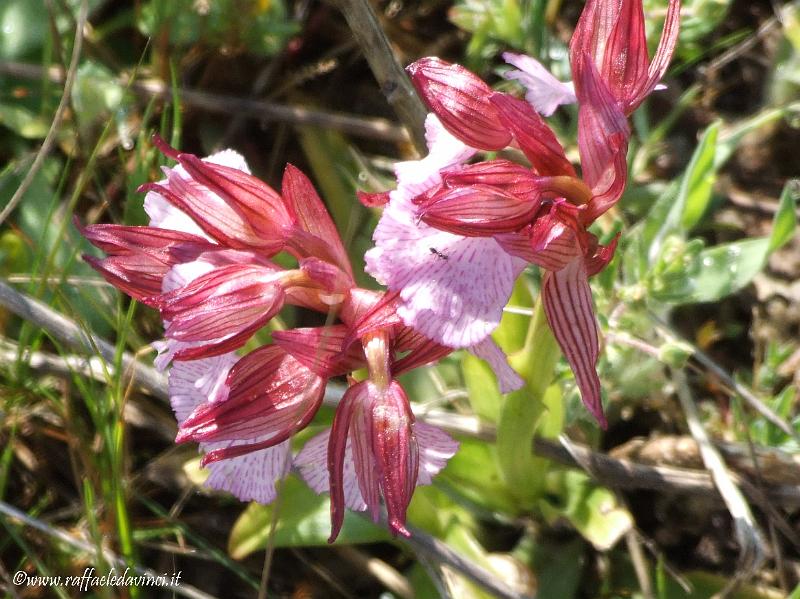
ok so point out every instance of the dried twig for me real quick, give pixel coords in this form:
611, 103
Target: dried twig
183, 589
640, 565
615, 472
73, 336
388, 576
371, 127
434, 548
706, 361
393, 80
748, 535
50, 139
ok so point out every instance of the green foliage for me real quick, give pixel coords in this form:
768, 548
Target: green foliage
591, 509
667, 265
303, 519
259, 27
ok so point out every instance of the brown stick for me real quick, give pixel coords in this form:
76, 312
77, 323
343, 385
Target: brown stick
371, 127
393, 80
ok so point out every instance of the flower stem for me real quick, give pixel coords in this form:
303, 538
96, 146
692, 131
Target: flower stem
528, 410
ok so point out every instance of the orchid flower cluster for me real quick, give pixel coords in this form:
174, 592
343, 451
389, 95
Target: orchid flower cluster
452, 239
206, 263
455, 235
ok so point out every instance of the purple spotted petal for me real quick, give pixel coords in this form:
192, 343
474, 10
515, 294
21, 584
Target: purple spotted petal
436, 447
198, 381
313, 464
568, 306
249, 477
507, 379
544, 92
436, 274
434, 270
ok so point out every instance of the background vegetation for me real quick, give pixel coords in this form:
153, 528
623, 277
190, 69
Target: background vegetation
700, 312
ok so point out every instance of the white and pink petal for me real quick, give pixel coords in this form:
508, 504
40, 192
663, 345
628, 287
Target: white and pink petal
436, 447
167, 216
249, 477
436, 274
507, 378
543, 91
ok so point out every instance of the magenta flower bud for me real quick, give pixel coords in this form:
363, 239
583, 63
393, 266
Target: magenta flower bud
612, 32
223, 308
378, 423
504, 175
230, 205
534, 136
314, 234
270, 394
461, 101
140, 257
478, 211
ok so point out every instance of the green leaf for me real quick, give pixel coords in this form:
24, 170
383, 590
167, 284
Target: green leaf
694, 194
512, 330
24, 26
785, 222
303, 521
523, 410
592, 510
96, 94
726, 268
474, 472
23, 122
557, 562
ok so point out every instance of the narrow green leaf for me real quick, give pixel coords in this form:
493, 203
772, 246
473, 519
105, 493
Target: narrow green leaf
474, 472
484, 395
524, 410
726, 268
785, 222
695, 191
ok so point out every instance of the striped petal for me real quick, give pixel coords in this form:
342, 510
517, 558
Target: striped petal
567, 302
222, 308
270, 393
436, 447
477, 211
167, 216
603, 136
534, 136
312, 463
250, 477
434, 272
461, 101
504, 175
415, 177
320, 238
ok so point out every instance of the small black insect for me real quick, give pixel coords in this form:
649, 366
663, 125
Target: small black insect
439, 254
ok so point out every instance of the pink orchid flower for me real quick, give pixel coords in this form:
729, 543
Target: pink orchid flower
539, 214
205, 262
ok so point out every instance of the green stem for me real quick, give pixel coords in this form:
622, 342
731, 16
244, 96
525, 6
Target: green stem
529, 409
